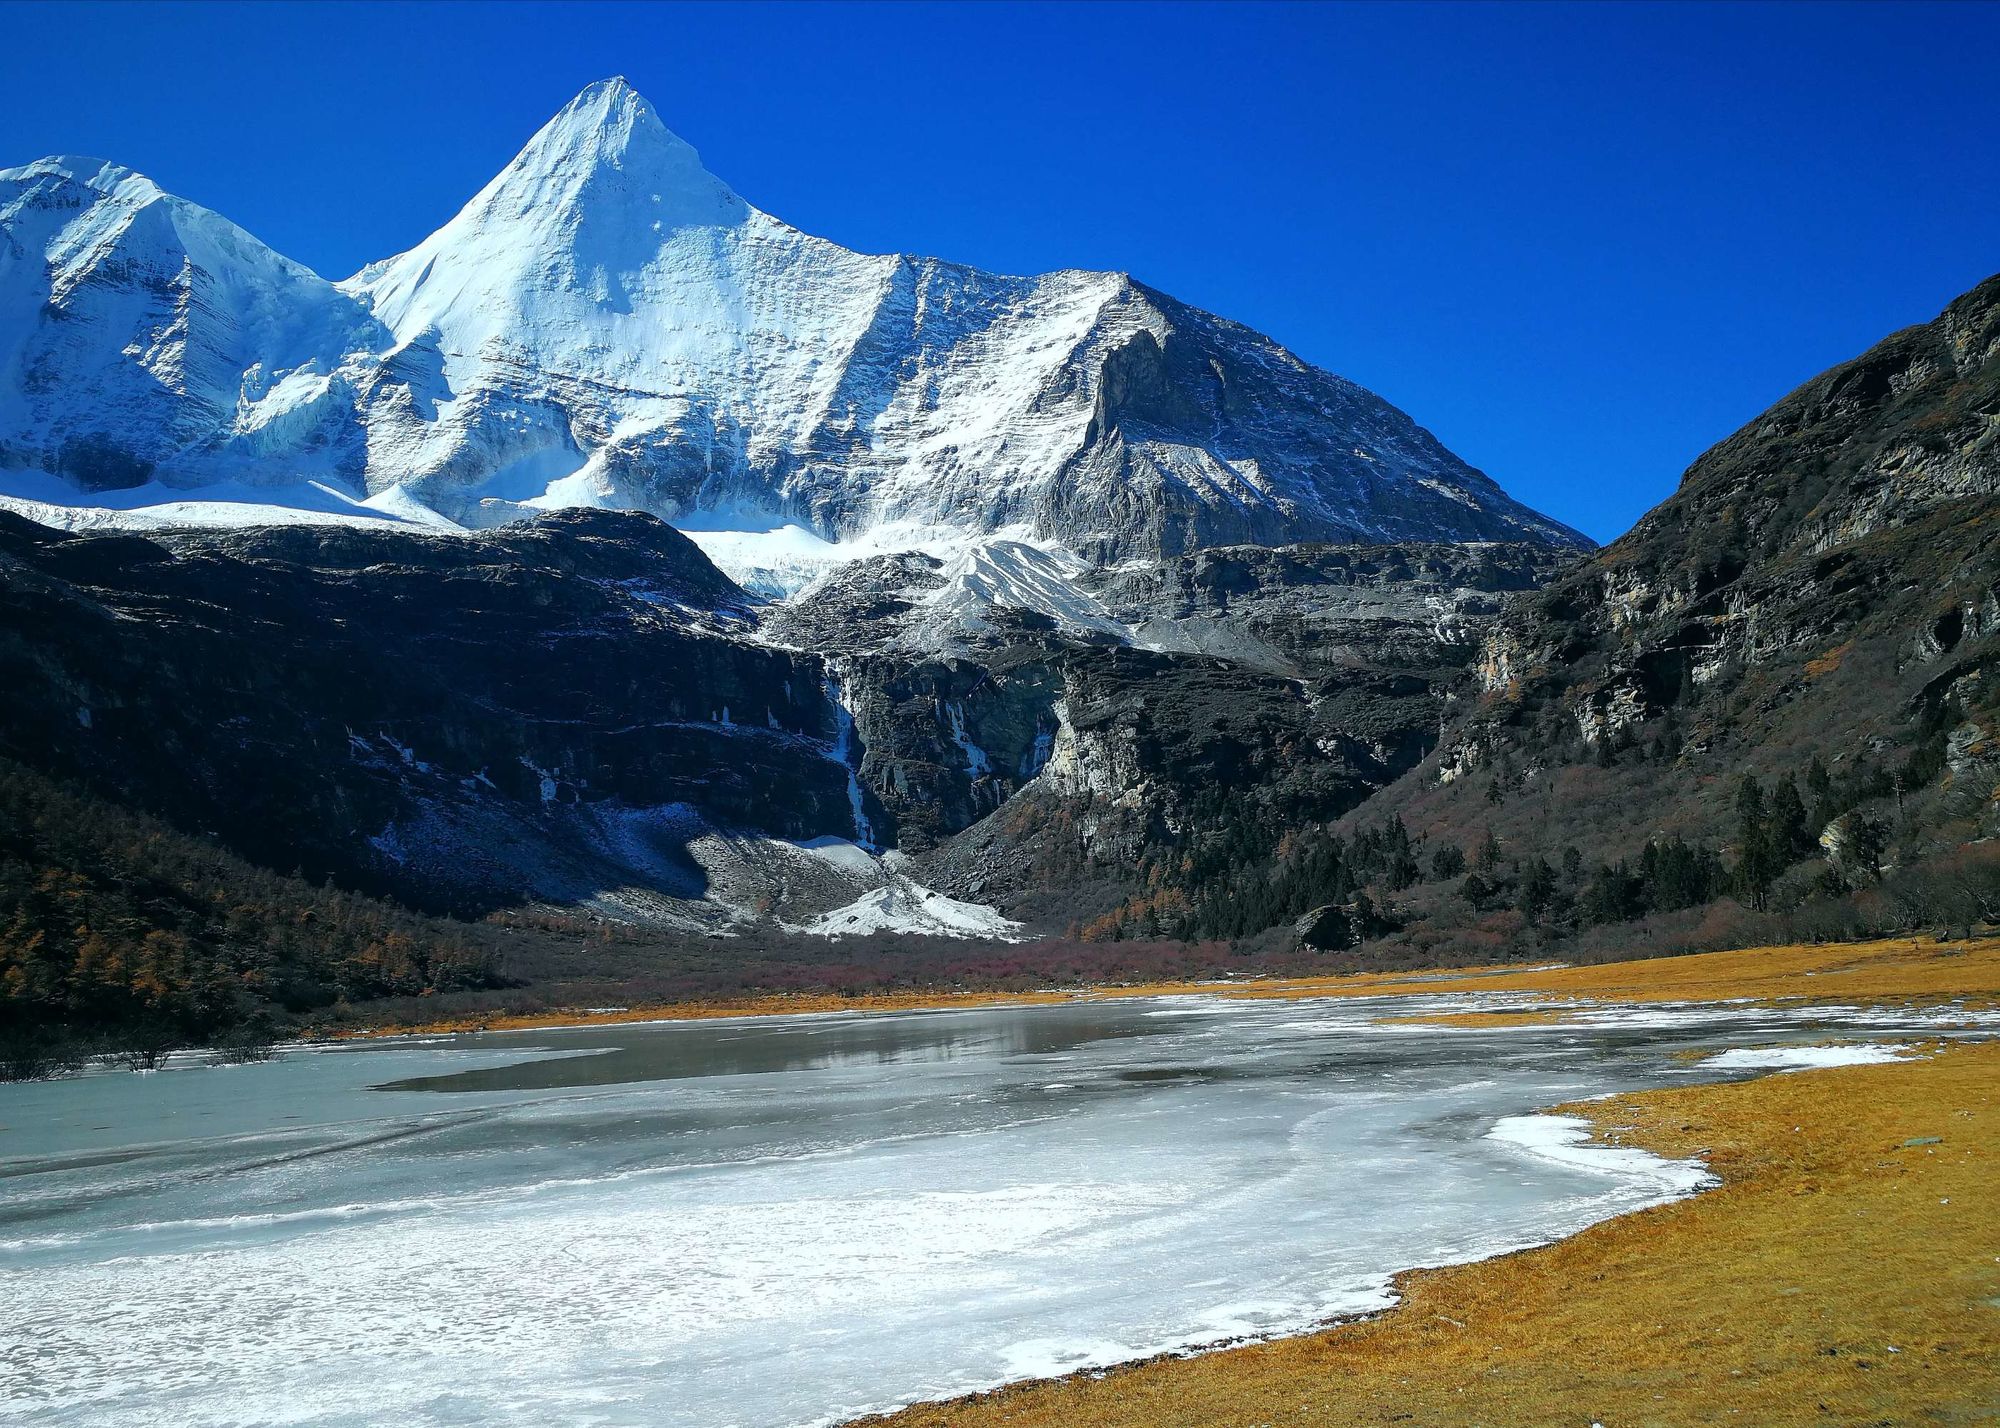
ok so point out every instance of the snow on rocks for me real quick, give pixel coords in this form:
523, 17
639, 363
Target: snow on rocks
909, 907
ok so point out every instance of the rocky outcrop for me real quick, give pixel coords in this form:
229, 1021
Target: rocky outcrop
1822, 585
465, 722
582, 709
1325, 929
947, 742
1316, 669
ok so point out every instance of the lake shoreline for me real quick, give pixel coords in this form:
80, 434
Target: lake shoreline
836, 1181
1748, 1298
1905, 971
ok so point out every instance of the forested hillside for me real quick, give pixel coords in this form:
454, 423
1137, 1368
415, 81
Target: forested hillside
119, 934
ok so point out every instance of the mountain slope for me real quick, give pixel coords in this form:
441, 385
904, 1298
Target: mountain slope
556, 712
606, 323
1817, 606
143, 337
581, 710
117, 932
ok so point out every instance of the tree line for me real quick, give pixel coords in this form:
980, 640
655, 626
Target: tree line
1232, 876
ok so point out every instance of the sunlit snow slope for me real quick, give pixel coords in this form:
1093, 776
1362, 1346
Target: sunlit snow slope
607, 323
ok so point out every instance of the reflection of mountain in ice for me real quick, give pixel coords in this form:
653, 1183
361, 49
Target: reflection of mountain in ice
782, 1221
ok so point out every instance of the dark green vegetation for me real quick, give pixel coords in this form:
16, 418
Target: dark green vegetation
122, 937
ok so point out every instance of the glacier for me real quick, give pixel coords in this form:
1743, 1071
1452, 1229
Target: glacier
606, 323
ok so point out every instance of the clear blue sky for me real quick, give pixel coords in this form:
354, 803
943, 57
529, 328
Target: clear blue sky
1579, 243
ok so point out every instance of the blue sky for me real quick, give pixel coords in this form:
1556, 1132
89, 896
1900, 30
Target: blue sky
1580, 243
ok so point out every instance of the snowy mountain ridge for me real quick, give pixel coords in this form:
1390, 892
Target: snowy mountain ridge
606, 323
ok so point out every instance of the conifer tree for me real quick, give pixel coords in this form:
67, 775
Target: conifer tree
1791, 837
1754, 853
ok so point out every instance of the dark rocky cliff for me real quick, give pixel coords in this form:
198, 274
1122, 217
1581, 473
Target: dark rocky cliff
559, 711
1824, 584
420, 714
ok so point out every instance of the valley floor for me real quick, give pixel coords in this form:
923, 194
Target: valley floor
1847, 1269
1895, 971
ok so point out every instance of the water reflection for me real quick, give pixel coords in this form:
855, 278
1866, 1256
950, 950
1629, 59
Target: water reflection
666, 1051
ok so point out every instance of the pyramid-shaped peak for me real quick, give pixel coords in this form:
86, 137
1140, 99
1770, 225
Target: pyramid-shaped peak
609, 103
607, 155
618, 88
597, 194
607, 121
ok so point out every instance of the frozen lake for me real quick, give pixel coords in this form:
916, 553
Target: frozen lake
782, 1221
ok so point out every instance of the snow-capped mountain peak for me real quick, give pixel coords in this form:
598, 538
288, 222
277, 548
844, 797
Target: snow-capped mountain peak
607, 323
144, 337
609, 125
101, 174
599, 186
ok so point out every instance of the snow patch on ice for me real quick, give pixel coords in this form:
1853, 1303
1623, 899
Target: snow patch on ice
1566, 1141
1805, 1058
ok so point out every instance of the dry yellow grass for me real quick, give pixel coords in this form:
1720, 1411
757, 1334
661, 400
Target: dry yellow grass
1893, 971
1840, 1275
1900, 970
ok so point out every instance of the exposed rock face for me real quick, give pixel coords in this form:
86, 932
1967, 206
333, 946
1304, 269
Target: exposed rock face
1823, 584
1852, 844
1972, 772
1308, 609
1325, 929
606, 323
1111, 715
583, 709
946, 742
547, 712
1760, 551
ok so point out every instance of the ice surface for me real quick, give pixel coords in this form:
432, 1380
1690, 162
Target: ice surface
777, 1221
